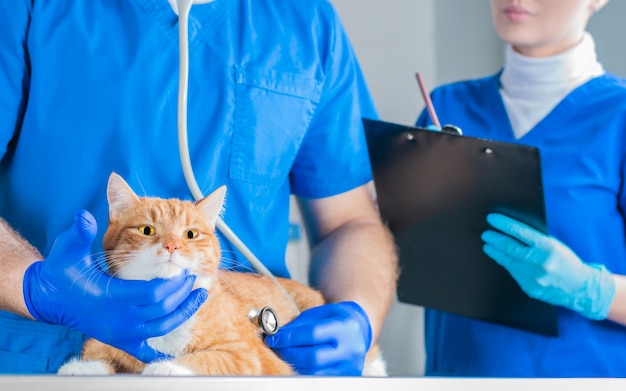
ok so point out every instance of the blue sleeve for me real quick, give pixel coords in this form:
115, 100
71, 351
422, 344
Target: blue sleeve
423, 120
333, 157
622, 189
14, 75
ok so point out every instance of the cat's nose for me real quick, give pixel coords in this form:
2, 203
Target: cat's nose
171, 246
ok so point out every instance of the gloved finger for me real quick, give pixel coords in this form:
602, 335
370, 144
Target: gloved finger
301, 330
326, 311
518, 269
77, 239
150, 292
292, 335
332, 311
164, 288
310, 359
176, 298
302, 334
147, 354
323, 360
343, 369
85, 227
167, 323
503, 258
518, 230
527, 255
506, 244
356, 313
167, 305
335, 330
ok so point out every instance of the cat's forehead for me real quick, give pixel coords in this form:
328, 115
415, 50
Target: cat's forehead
157, 209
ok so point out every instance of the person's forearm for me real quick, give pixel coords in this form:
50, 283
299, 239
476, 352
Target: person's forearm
364, 268
16, 254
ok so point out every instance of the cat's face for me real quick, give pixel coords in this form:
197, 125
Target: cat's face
157, 238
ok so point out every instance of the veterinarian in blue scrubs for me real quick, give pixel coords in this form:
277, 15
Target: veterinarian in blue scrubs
276, 98
553, 94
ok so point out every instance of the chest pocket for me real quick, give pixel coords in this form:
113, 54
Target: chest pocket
272, 112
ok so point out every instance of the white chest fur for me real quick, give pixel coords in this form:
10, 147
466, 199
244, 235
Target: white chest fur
175, 341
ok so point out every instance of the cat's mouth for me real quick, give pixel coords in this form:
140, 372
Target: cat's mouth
147, 270
168, 269
171, 265
152, 263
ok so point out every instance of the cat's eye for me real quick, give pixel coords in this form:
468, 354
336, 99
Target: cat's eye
147, 230
191, 234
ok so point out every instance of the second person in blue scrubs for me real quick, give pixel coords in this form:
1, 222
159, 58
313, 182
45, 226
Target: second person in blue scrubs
553, 94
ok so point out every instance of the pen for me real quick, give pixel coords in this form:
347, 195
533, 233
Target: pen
427, 100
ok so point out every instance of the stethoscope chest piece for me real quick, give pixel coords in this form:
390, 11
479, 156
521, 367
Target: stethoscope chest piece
266, 319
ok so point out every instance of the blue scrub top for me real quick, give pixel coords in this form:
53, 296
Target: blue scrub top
582, 142
90, 87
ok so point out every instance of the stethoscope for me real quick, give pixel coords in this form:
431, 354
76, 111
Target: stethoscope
266, 317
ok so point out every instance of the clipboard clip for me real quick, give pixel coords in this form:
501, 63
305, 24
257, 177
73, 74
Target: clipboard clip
452, 129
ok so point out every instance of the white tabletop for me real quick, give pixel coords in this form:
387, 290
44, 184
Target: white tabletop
300, 383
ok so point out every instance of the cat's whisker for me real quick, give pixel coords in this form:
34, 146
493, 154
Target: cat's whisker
234, 264
222, 277
116, 259
91, 272
241, 267
141, 186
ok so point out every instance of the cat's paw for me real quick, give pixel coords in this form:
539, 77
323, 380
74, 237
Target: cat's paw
375, 367
166, 368
77, 367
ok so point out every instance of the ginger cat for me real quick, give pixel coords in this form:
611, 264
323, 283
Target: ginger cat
166, 237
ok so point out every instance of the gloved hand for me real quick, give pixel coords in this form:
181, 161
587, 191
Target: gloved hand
69, 288
330, 340
547, 269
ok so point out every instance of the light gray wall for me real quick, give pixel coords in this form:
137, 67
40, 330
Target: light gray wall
389, 38
608, 28
466, 45
445, 40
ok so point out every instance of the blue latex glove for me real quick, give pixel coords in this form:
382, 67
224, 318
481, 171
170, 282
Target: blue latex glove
69, 288
329, 340
547, 269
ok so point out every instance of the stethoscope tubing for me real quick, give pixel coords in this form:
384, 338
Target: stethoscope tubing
184, 7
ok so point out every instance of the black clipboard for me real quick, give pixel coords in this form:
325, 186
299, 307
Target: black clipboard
434, 191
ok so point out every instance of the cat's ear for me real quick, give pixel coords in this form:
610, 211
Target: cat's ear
211, 205
119, 195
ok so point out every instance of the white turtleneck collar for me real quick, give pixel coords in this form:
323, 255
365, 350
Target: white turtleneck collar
532, 86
